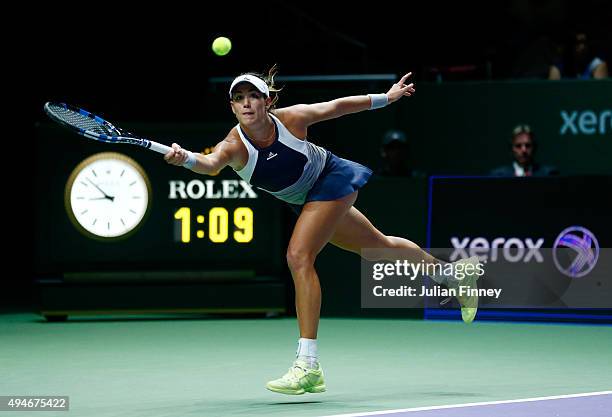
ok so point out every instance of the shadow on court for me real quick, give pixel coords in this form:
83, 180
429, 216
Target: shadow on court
155, 318
296, 402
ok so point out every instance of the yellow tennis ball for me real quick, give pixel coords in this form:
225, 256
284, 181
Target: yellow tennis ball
221, 46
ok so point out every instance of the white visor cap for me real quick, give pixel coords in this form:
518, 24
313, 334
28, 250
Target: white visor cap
259, 84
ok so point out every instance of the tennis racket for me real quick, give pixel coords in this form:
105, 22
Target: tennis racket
96, 128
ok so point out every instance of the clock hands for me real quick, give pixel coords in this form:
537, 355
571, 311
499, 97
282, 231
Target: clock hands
106, 196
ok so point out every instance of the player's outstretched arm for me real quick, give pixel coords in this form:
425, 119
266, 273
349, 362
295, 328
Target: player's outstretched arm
313, 113
209, 164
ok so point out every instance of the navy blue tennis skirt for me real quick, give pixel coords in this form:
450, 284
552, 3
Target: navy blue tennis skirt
339, 178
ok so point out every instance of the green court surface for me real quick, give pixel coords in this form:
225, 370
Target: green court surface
200, 366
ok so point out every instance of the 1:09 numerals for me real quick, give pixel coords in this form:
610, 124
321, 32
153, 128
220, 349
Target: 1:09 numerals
218, 220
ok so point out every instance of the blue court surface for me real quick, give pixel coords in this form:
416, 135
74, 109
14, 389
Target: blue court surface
592, 404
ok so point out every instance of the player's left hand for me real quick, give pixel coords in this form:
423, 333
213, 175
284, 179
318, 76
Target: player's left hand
400, 89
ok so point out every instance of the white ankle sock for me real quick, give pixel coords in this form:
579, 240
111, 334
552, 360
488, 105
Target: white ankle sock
307, 351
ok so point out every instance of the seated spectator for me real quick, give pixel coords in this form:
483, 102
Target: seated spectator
581, 62
523, 150
537, 60
394, 153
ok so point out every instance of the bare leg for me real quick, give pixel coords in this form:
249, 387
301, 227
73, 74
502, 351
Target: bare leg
356, 232
314, 228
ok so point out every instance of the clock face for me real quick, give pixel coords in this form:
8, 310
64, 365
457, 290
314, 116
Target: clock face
107, 196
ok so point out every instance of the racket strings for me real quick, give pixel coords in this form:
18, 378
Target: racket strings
81, 121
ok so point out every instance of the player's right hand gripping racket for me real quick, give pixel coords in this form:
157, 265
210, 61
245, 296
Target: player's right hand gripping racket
96, 128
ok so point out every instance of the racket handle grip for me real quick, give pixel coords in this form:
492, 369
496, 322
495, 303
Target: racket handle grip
158, 147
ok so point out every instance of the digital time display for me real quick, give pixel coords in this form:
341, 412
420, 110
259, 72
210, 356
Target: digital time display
215, 225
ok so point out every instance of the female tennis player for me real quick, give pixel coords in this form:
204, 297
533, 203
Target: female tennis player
268, 149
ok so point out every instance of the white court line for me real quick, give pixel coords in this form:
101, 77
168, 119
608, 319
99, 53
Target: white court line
442, 407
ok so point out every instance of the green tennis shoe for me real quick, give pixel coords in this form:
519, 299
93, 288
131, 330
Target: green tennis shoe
298, 380
467, 290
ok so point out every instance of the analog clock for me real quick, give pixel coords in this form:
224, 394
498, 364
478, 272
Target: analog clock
107, 196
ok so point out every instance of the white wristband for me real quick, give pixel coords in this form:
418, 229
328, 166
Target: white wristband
191, 160
378, 101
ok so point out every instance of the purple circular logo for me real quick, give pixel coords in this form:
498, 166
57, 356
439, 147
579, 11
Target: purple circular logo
581, 249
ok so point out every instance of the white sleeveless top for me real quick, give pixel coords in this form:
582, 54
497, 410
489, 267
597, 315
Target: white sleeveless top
287, 169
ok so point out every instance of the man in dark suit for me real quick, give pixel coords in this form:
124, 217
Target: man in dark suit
523, 149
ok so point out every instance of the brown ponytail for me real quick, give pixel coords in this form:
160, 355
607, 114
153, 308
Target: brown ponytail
269, 80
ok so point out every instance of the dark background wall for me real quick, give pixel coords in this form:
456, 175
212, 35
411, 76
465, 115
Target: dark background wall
153, 63
470, 62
